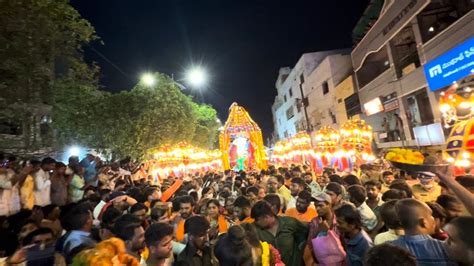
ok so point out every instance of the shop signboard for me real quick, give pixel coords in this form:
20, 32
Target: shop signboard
390, 102
451, 66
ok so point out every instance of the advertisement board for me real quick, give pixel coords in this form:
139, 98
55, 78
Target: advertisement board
451, 66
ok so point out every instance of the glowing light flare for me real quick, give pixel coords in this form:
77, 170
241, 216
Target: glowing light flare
465, 105
74, 151
196, 76
463, 163
444, 107
148, 79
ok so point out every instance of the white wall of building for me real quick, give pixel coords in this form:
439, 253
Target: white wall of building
289, 94
332, 70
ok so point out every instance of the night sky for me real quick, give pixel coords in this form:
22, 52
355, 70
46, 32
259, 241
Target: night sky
241, 43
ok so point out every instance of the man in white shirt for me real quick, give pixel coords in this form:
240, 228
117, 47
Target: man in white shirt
9, 187
358, 196
43, 182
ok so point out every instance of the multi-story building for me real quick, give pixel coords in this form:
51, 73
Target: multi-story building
389, 61
290, 106
320, 89
344, 93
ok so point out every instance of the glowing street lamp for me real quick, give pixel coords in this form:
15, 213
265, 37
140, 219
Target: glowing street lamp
196, 77
74, 151
148, 79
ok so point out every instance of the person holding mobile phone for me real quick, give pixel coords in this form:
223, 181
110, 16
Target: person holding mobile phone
38, 249
10, 182
43, 182
323, 238
27, 195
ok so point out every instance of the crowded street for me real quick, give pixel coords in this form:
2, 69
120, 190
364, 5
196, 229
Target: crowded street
234, 133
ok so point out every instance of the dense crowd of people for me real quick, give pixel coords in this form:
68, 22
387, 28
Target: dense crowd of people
89, 212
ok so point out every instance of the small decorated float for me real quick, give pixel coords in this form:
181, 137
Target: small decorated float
327, 149
356, 140
241, 142
294, 150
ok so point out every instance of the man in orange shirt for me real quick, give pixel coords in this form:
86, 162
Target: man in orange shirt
186, 207
242, 208
303, 212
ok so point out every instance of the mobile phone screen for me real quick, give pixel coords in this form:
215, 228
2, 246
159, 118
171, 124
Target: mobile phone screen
40, 252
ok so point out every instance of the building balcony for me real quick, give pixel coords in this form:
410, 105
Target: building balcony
391, 21
456, 33
381, 85
384, 143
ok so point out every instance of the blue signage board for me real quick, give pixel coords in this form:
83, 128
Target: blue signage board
451, 66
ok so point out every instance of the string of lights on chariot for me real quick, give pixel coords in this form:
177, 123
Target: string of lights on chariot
182, 159
331, 148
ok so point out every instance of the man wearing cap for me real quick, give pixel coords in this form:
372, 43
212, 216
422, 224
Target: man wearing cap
89, 164
319, 226
427, 189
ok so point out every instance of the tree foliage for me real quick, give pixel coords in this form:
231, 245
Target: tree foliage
40, 43
132, 122
207, 126
41, 47
40, 40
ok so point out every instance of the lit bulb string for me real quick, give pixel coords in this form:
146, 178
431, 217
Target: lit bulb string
181, 159
332, 148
